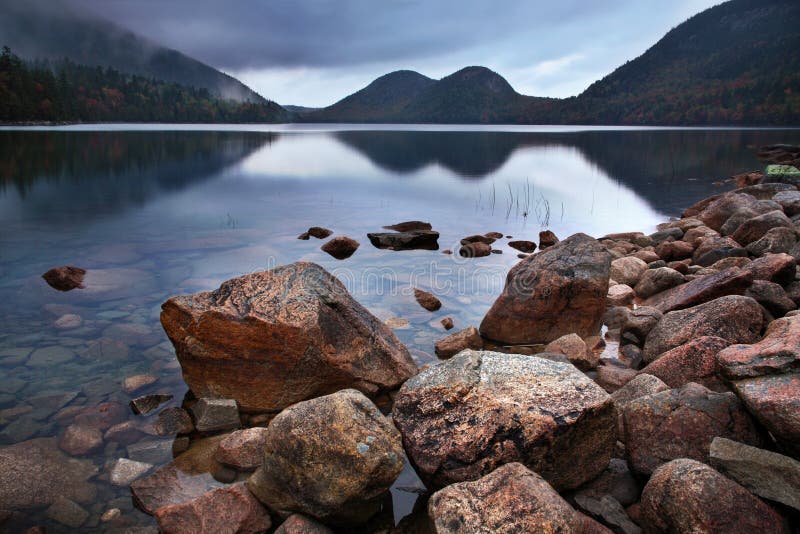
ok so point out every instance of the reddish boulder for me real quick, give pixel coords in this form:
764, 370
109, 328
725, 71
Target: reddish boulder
778, 268
243, 449
341, 247
716, 212
674, 250
547, 239
272, 338
523, 246
576, 351
464, 417
78, 440
509, 500
427, 300
657, 280
731, 281
681, 423
754, 228
475, 250
778, 352
734, 318
772, 296
409, 226
628, 270
694, 361
688, 496
555, 292
65, 278
319, 232
469, 338
226, 510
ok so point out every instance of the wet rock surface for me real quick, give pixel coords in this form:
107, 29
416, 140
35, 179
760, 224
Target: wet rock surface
469, 338
65, 278
405, 240
427, 300
243, 449
341, 247
272, 338
464, 417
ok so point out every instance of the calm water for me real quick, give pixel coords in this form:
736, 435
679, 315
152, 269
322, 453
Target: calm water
154, 213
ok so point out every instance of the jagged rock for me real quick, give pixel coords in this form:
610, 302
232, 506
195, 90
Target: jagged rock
176, 420
555, 292
694, 361
681, 423
462, 418
771, 296
734, 318
147, 403
508, 500
576, 351
427, 300
272, 338
243, 449
227, 510
216, 414
768, 474
341, 247
754, 229
124, 471
778, 268
469, 338
687, 496
775, 241
65, 278
332, 458
731, 281
409, 240
657, 280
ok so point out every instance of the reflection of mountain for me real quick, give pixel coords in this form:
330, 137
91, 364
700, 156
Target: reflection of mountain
668, 168
104, 172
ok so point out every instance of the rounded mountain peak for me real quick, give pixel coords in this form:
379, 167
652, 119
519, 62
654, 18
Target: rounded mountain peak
481, 77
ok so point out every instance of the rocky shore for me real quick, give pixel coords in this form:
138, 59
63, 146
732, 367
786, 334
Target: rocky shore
629, 383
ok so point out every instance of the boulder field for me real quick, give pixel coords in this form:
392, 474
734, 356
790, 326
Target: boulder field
681, 415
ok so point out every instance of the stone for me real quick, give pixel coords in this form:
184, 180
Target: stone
67, 513
736, 319
464, 417
553, 293
49, 356
681, 423
547, 239
341, 247
427, 300
613, 377
475, 250
105, 349
610, 511
300, 524
639, 322
777, 352
65, 278
135, 383
764, 191
132, 334
755, 228
319, 232
298, 334
397, 323
789, 201
576, 351
523, 246
648, 256
640, 386
228, 510
508, 500
776, 240
674, 250
216, 414
176, 420
778, 268
71, 320
720, 209
409, 226
147, 403
243, 449
685, 495
657, 280
710, 250
620, 295
102, 416
80, 440
694, 361
628, 270
333, 458
468, 338
478, 239
768, 474
410, 240
447, 323
35, 473
666, 235
772, 296
124, 471
150, 451
731, 281
617, 481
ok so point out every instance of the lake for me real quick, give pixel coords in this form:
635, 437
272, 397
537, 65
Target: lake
153, 211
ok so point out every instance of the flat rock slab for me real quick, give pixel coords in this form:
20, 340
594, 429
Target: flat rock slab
273, 338
731, 281
464, 417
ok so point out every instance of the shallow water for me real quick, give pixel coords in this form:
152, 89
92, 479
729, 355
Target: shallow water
155, 211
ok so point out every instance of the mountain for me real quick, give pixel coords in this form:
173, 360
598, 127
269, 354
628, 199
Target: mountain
737, 63
37, 29
471, 95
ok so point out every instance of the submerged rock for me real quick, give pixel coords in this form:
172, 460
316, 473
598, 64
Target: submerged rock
65, 278
332, 457
272, 338
687, 496
216, 414
466, 416
508, 500
556, 292
147, 403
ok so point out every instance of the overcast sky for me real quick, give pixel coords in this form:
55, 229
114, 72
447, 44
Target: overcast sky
315, 52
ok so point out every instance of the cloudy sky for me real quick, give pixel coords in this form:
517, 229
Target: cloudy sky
314, 52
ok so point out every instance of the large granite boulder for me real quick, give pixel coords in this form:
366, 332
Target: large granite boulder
466, 416
332, 458
766, 375
720, 209
558, 291
509, 500
272, 338
694, 361
734, 318
731, 281
681, 423
688, 496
